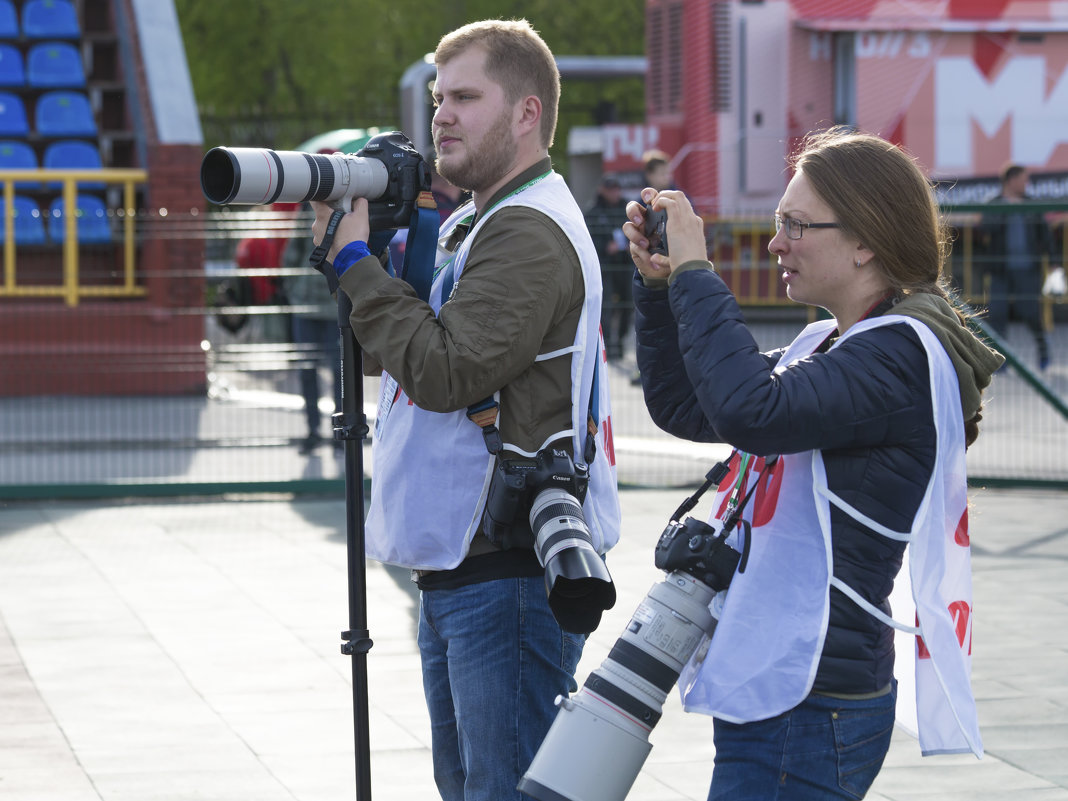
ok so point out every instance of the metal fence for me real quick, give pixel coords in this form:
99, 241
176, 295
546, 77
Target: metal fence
196, 388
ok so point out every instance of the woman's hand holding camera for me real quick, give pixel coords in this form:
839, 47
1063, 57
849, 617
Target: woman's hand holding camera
685, 231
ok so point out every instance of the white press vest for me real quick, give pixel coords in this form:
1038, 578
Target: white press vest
763, 655
432, 470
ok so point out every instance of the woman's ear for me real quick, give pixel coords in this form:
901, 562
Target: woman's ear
862, 256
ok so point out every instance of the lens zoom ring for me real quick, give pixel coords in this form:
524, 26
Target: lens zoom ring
621, 698
561, 509
547, 545
322, 174
648, 667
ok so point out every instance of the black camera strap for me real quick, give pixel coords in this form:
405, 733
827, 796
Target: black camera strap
735, 504
714, 476
318, 256
484, 415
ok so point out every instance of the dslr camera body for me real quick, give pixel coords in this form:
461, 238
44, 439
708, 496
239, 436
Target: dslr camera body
696, 548
537, 503
517, 483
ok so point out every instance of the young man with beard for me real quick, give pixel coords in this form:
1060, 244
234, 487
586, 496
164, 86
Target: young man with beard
513, 314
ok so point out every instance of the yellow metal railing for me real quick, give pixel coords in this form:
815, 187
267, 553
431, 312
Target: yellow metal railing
738, 247
71, 289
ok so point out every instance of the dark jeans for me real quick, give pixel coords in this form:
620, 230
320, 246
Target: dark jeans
824, 748
1015, 295
323, 347
617, 308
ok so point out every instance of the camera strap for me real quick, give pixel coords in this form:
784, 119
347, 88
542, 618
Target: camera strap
736, 502
421, 246
484, 415
318, 255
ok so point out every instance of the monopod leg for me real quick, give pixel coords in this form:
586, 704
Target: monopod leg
350, 427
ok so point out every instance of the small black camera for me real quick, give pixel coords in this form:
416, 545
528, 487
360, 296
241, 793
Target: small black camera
656, 230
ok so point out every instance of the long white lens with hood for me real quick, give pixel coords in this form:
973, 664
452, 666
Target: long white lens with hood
258, 177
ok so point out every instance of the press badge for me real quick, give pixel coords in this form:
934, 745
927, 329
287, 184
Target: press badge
386, 399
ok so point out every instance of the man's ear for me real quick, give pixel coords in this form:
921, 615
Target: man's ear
529, 114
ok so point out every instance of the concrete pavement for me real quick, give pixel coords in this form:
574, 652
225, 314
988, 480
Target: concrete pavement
190, 650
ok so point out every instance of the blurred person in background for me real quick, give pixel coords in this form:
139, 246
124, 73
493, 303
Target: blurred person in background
605, 219
316, 334
315, 331
1013, 244
656, 167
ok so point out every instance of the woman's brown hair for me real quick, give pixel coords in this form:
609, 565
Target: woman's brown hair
881, 197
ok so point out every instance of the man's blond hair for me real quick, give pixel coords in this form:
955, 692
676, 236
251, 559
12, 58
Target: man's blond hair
517, 58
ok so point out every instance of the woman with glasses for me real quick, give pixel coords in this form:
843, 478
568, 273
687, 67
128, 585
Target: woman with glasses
851, 448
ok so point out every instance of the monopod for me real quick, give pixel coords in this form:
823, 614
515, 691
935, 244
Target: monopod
350, 428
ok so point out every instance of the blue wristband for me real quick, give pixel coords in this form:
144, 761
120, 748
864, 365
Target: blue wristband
349, 255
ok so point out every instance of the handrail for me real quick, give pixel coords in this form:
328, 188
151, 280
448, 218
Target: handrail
70, 290
738, 247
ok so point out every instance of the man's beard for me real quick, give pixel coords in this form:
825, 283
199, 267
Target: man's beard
484, 166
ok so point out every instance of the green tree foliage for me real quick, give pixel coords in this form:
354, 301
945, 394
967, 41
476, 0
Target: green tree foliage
273, 72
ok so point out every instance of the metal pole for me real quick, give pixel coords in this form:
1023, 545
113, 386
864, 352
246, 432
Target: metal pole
350, 427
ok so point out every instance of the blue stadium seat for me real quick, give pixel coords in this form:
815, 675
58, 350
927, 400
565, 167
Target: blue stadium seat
29, 226
61, 113
9, 20
12, 72
18, 156
12, 116
50, 19
93, 225
73, 154
54, 64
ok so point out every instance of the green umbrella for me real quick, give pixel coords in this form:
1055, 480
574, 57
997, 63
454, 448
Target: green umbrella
344, 140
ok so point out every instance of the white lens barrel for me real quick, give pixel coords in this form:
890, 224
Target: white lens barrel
257, 176
558, 523
585, 757
609, 720
359, 177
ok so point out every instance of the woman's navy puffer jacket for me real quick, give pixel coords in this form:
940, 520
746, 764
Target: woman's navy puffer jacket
866, 405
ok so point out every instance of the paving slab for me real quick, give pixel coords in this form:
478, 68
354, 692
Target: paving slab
158, 651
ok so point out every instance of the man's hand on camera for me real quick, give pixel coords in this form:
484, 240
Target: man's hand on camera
354, 226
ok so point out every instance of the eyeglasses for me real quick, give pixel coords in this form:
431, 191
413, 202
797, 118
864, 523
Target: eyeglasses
794, 228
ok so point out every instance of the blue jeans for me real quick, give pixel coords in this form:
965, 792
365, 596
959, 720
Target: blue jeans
494, 661
824, 748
